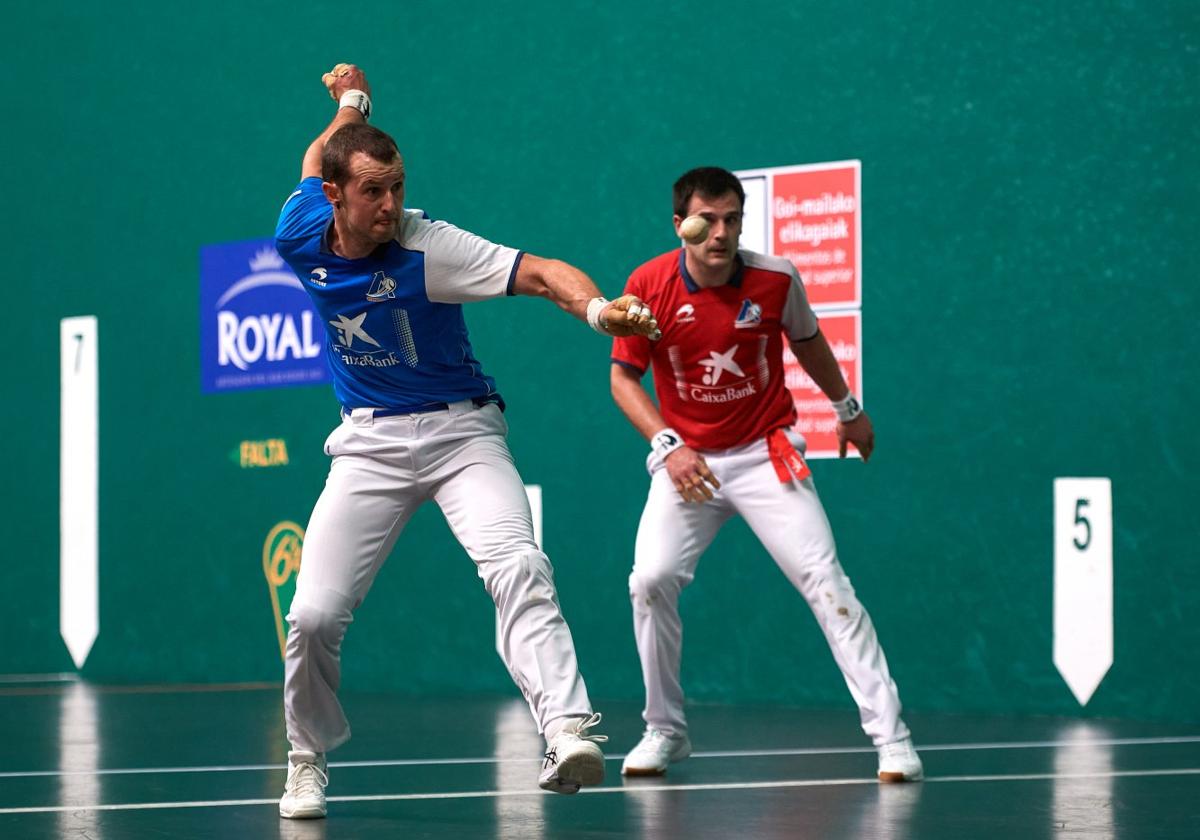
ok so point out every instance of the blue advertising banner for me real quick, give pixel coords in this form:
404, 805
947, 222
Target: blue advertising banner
257, 326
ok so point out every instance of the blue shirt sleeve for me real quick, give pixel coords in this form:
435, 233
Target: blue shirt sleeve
304, 216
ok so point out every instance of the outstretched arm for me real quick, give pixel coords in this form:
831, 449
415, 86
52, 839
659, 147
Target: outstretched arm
574, 292
343, 78
819, 362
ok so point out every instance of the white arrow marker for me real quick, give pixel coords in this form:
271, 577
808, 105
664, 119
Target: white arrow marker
1083, 583
534, 492
78, 594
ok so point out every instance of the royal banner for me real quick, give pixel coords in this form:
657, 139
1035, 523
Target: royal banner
257, 326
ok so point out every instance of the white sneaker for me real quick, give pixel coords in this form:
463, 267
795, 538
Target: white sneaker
654, 752
304, 793
572, 757
899, 762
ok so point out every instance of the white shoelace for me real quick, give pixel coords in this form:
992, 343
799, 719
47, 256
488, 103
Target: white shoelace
896, 749
654, 735
588, 723
577, 730
307, 781
654, 740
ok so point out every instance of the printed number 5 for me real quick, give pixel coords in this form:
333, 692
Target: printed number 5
1080, 519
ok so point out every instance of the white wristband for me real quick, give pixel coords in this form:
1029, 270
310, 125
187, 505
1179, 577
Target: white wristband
357, 100
847, 408
666, 442
595, 307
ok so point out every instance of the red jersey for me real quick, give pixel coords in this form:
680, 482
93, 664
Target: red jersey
718, 368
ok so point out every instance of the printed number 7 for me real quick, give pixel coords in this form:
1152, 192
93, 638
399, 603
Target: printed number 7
78, 350
1080, 519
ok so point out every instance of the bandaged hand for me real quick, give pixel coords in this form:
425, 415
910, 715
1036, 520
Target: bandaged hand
344, 77
629, 315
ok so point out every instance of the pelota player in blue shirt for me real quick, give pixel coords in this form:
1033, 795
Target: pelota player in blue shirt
420, 421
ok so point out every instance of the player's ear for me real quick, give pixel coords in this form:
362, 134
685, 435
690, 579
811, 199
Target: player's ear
333, 193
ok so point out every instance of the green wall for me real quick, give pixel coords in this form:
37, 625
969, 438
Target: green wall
1030, 202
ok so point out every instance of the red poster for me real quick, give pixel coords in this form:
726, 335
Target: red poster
817, 422
815, 222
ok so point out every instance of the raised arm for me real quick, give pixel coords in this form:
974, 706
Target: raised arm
342, 79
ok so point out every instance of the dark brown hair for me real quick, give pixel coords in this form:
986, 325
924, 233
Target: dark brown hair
709, 181
355, 137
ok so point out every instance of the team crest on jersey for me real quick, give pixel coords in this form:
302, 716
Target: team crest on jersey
749, 316
685, 314
382, 287
718, 363
724, 378
350, 329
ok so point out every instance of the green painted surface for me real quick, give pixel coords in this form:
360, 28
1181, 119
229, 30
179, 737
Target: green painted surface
1029, 205
461, 767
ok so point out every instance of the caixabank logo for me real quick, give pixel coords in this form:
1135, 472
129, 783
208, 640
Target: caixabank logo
258, 328
281, 563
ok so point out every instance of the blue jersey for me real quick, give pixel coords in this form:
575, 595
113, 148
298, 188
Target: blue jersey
393, 319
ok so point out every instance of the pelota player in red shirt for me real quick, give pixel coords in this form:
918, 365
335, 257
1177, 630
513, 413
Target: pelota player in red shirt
721, 445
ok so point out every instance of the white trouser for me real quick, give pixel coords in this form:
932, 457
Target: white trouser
791, 524
383, 469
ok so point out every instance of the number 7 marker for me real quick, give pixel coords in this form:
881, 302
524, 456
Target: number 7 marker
78, 597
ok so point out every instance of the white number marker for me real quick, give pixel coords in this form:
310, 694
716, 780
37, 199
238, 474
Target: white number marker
1083, 583
79, 600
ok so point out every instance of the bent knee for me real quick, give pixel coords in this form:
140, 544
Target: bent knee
326, 621
647, 585
525, 577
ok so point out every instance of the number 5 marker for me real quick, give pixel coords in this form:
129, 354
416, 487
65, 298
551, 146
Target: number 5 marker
1083, 583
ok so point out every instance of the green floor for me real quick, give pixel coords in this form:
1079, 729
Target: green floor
94, 762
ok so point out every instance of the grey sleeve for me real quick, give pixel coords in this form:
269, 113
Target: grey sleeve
799, 321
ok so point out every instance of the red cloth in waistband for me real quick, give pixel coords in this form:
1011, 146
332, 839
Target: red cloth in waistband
785, 459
